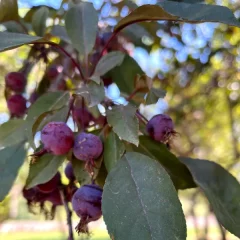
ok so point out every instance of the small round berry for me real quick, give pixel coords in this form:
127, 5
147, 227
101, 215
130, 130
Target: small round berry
69, 172
86, 202
87, 147
160, 127
57, 138
52, 72
51, 185
82, 117
15, 81
17, 105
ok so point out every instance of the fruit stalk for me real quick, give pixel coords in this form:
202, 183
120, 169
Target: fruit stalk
69, 214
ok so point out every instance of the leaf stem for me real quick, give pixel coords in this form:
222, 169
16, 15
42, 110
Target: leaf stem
103, 50
132, 94
141, 117
67, 54
22, 26
69, 214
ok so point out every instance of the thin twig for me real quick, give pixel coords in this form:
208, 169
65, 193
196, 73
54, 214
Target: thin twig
132, 94
67, 54
103, 50
22, 26
222, 231
69, 214
141, 117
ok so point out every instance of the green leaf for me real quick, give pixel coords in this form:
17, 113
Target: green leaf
124, 75
79, 168
178, 172
39, 20
113, 150
14, 40
12, 132
154, 95
102, 176
81, 22
183, 12
12, 26
124, 122
108, 61
60, 32
8, 10
43, 169
93, 93
80, 172
11, 160
140, 202
47, 102
221, 189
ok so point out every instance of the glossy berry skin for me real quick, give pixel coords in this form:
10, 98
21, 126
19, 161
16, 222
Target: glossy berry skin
15, 81
17, 105
69, 172
87, 147
51, 185
82, 116
160, 127
86, 202
57, 138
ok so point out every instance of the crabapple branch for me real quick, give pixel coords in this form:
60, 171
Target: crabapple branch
69, 214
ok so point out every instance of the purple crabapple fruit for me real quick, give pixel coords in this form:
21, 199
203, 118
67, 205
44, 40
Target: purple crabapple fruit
87, 146
15, 81
57, 138
160, 128
52, 72
69, 172
87, 202
50, 185
17, 105
82, 116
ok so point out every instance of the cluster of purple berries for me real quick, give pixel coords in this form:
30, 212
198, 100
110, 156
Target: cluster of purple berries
86, 201
58, 139
15, 83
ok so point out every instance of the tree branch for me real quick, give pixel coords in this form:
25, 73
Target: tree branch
69, 214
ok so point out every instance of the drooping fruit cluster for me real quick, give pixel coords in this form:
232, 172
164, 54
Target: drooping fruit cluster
86, 202
160, 128
51, 185
57, 138
15, 85
49, 192
87, 147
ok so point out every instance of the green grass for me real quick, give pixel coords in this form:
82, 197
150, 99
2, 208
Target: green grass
99, 235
